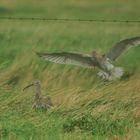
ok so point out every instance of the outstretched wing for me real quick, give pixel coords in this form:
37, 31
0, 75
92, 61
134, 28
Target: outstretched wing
122, 46
69, 58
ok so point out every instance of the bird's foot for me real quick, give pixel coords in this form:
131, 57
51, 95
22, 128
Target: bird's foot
114, 74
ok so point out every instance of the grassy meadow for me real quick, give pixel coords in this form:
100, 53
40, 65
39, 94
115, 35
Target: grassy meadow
85, 107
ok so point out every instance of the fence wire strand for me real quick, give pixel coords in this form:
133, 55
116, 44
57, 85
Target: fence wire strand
67, 19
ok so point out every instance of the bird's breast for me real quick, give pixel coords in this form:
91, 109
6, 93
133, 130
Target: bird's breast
106, 66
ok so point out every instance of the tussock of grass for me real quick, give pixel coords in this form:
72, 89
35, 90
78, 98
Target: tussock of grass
100, 126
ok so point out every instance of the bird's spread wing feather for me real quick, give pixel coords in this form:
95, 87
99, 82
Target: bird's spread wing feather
121, 46
69, 58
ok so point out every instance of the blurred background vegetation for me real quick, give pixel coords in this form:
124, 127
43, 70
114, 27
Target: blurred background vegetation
85, 106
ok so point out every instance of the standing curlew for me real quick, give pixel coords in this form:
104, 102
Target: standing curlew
40, 102
102, 61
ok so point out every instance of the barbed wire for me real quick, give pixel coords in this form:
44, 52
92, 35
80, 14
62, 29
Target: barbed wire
67, 19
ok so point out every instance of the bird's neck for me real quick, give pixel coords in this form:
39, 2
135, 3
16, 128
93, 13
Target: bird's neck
38, 94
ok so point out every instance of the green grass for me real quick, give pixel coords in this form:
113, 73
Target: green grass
85, 107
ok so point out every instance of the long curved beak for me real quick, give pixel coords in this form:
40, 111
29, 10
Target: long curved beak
28, 86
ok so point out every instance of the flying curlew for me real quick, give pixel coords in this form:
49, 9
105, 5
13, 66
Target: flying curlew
103, 61
40, 102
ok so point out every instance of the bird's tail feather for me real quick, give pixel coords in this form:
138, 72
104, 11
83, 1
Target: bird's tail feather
116, 73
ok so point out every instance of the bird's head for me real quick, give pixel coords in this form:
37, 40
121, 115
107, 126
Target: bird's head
98, 56
36, 82
101, 60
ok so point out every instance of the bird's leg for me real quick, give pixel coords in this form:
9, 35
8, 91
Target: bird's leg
102, 74
109, 76
106, 75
